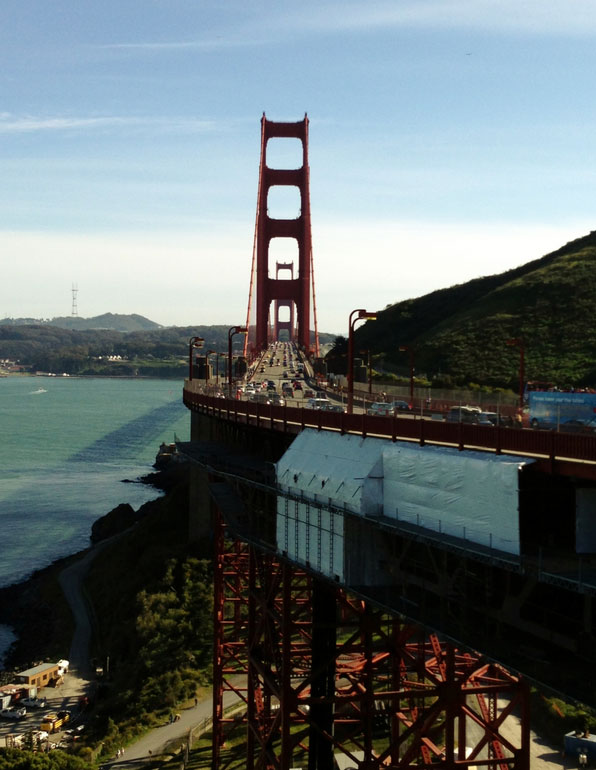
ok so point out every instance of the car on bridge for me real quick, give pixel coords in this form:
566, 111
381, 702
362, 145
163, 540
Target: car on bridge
387, 409
400, 406
467, 414
34, 703
331, 407
578, 426
317, 403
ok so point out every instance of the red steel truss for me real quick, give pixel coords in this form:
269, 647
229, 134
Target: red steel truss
297, 290
308, 673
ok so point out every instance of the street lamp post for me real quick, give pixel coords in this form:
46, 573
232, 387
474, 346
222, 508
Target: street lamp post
231, 332
410, 350
356, 315
519, 343
194, 342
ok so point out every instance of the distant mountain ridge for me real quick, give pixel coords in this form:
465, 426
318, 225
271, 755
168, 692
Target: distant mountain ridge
110, 321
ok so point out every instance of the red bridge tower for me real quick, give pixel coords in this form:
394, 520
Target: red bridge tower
293, 292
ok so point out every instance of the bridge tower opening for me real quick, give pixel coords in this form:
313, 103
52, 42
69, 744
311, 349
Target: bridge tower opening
286, 324
272, 291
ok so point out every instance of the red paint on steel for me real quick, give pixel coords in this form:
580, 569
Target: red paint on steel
295, 291
319, 672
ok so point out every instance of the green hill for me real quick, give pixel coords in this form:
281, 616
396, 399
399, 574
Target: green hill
459, 334
110, 321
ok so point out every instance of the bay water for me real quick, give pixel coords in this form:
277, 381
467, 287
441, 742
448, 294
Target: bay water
67, 444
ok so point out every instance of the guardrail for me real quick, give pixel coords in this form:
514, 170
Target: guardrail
498, 439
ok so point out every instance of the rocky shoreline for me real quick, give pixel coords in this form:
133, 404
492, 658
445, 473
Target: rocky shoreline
35, 608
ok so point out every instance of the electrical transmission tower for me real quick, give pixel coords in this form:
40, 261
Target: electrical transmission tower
75, 289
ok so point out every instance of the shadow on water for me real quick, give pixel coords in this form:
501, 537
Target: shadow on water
139, 432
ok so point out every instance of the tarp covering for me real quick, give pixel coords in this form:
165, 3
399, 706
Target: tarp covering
324, 467
469, 495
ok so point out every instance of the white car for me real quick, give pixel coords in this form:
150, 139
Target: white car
34, 703
14, 713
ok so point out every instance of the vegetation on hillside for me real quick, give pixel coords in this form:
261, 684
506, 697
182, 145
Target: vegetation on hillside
152, 596
459, 335
161, 352
112, 321
18, 759
151, 353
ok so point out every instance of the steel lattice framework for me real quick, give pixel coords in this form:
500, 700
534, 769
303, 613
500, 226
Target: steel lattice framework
316, 673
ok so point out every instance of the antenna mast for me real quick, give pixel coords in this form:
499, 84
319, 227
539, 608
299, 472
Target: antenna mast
75, 289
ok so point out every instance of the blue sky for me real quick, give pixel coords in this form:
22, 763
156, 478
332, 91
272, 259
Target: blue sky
448, 139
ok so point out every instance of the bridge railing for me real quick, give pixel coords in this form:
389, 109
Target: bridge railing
290, 419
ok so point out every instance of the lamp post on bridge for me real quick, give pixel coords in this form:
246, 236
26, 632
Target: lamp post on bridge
519, 343
194, 342
231, 332
410, 350
356, 315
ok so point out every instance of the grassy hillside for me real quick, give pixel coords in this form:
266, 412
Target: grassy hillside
461, 332
112, 321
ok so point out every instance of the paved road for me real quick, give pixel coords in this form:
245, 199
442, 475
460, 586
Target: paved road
155, 742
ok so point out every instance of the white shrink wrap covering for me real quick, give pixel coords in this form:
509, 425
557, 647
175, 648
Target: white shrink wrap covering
472, 496
469, 495
323, 467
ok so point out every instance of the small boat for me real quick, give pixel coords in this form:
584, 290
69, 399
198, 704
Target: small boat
166, 453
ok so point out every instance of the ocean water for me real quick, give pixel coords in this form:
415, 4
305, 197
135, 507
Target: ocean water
66, 446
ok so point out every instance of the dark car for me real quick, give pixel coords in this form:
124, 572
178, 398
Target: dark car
400, 406
329, 407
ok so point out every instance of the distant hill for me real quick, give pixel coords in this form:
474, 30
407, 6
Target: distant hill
158, 351
111, 321
459, 334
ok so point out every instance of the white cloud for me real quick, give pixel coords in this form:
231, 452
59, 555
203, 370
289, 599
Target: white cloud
20, 124
527, 17
534, 17
208, 44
